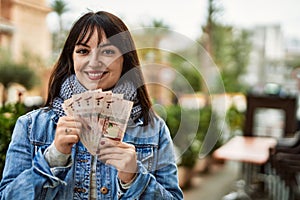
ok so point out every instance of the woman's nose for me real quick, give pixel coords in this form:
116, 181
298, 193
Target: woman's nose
95, 60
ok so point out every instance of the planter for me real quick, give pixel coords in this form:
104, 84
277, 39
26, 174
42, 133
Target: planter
202, 165
184, 176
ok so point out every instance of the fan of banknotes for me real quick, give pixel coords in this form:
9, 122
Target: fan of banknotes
103, 114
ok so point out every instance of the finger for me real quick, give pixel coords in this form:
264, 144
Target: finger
68, 126
106, 142
122, 166
111, 155
68, 130
69, 139
65, 119
72, 131
117, 150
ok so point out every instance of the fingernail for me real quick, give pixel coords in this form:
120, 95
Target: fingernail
102, 142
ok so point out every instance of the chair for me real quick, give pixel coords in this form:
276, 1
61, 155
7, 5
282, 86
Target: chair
285, 166
288, 145
286, 104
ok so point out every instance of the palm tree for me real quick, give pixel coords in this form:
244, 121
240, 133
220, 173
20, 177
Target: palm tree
59, 7
150, 38
227, 46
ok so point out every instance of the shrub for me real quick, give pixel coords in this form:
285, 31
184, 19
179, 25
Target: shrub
8, 117
19, 73
194, 124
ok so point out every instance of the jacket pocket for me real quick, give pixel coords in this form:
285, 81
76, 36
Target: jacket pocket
145, 154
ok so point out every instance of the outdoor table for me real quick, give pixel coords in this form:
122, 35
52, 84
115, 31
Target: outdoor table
251, 151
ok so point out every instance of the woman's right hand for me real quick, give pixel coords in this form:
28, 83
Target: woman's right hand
67, 134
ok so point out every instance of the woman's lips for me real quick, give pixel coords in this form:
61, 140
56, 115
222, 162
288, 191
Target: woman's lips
96, 75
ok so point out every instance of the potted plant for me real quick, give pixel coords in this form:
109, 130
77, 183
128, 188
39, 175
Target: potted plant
190, 127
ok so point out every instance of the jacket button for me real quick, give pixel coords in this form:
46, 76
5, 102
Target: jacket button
80, 190
104, 190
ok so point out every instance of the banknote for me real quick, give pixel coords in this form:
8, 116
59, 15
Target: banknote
102, 114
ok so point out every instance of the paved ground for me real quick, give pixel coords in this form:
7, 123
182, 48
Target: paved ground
215, 184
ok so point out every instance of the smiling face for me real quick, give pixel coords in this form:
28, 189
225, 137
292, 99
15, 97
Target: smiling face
97, 65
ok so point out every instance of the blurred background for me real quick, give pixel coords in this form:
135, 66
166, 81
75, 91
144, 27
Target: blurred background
202, 59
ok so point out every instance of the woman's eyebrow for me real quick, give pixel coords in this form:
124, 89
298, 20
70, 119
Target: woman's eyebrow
82, 44
105, 44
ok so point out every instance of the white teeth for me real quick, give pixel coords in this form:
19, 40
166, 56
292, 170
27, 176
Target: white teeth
95, 74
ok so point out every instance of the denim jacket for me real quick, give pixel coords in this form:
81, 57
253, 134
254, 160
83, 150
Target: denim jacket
27, 174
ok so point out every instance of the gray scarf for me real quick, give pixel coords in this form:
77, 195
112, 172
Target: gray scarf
72, 86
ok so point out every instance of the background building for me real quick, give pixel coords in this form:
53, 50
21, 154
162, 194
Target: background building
270, 56
23, 28
25, 38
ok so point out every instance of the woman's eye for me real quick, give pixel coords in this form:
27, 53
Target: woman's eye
108, 51
82, 51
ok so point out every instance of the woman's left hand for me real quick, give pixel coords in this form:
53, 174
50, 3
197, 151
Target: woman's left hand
121, 155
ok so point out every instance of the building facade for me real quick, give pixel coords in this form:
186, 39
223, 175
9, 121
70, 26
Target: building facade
25, 35
23, 28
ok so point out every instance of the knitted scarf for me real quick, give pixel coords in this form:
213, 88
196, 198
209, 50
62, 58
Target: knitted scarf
72, 86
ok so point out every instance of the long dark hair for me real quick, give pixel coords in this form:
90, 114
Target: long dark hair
117, 33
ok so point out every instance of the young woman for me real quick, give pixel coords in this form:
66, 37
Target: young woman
46, 159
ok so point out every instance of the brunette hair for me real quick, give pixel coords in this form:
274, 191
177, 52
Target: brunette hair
118, 34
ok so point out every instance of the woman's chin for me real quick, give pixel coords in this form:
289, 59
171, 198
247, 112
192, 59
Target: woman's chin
92, 87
